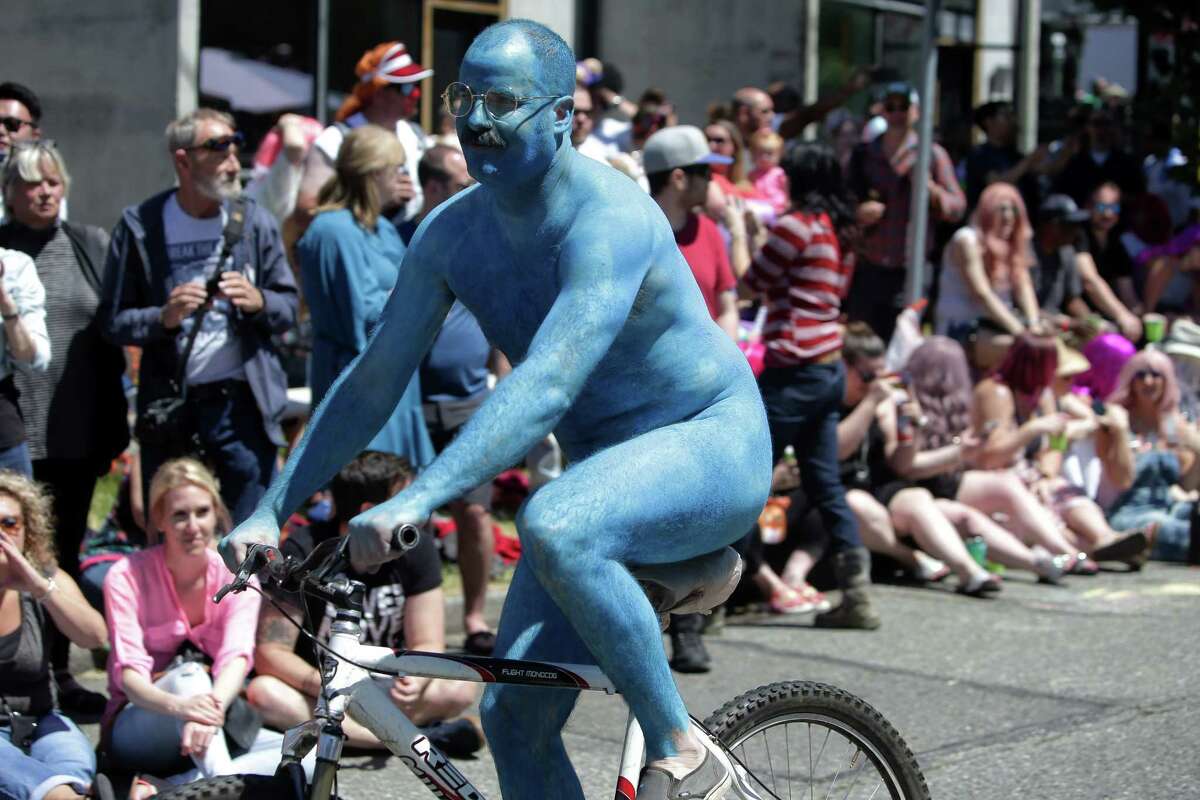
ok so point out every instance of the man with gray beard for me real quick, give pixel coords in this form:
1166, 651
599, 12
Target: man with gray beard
166, 263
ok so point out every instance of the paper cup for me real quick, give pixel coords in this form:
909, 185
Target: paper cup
1155, 327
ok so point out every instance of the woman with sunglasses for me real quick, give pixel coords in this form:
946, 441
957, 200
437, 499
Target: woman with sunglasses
178, 660
1165, 449
85, 373
1102, 242
985, 268
349, 259
42, 753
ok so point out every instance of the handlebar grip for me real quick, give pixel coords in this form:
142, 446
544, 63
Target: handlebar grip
404, 538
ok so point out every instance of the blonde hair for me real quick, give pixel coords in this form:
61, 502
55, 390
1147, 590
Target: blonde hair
365, 151
25, 163
175, 474
37, 516
766, 139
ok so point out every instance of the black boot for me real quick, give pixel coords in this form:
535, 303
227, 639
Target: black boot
688, 653
853, 569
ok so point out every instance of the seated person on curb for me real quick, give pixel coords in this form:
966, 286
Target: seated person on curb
170, 714
403, 609
55, 759
654, 406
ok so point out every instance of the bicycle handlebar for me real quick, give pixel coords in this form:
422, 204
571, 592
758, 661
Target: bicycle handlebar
290, 573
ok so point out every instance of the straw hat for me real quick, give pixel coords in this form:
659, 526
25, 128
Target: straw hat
1071, 362
1184, 339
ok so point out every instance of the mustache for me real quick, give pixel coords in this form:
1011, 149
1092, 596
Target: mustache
485, 138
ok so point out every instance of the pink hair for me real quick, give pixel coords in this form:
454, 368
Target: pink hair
1030, 364
1106, 354
1002, 257
1159, 362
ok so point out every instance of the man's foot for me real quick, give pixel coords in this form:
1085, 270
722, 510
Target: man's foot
480, 643
709, 781
688, 653
854, 612
456, 738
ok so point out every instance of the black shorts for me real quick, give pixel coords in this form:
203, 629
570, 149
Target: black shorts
444, 420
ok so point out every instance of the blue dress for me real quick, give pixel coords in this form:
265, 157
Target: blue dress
347, 274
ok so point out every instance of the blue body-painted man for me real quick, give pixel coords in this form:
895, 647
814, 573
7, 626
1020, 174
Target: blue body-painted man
573, 272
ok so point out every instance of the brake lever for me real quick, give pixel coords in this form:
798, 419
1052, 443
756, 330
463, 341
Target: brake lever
258, 557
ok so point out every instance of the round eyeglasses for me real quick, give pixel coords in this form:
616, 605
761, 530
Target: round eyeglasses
499, 102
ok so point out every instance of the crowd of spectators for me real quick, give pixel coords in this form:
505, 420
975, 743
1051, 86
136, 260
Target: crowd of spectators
1040, 419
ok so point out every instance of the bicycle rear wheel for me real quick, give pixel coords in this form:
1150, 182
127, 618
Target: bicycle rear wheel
806, 739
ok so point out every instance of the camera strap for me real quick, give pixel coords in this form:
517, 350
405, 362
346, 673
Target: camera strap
235, 224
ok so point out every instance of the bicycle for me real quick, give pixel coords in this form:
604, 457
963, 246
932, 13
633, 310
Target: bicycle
747, 726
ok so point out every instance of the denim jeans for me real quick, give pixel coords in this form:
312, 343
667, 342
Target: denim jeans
146, 741
1174, 522
60, 754
17, 459
235, 443
803, 409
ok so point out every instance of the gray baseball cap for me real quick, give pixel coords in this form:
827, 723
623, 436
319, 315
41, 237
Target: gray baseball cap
678, 146
1061, 208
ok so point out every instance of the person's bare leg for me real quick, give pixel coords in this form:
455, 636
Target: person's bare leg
1087, 520
768, 581
914, 512
475, 548
442, 700
284, 707
1003, 547
875, 529
799, 564
1002, 492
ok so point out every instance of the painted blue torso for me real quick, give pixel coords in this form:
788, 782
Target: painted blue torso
669, 362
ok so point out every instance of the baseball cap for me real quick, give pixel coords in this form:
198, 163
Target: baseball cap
900, 89
1061, 208
678, 146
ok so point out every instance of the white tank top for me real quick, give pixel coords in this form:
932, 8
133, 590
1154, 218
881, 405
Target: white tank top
955, 302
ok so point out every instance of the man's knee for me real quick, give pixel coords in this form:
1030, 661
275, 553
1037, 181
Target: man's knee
267, 692
523, 715
547, 538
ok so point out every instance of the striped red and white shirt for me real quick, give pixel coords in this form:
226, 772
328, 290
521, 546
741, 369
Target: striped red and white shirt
801, 273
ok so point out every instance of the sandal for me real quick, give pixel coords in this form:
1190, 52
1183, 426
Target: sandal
480, 643
1123, 548
981, 586
820, 602
1082, 565
790, 601
144, 786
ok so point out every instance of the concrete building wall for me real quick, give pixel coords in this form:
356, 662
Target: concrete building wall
106, 73
557, 15
701, 51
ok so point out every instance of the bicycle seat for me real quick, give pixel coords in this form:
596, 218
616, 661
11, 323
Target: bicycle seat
695, 586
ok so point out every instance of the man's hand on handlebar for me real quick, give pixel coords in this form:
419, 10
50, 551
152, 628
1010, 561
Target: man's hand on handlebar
384, 532
259, 528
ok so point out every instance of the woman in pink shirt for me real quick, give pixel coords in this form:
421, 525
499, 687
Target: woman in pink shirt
165, 708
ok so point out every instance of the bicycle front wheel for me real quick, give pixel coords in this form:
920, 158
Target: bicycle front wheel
233, 787
801, 738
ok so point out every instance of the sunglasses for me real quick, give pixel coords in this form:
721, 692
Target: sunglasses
14, 124
1109, 208
718, 140
499, 102
219, 144
405, 89
703, 171
10, 524
892, 108
1147, 374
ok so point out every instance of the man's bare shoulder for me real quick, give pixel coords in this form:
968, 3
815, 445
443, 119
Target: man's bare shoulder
610, 204
445, 228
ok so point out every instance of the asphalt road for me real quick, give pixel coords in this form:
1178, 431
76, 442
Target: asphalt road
1088, 691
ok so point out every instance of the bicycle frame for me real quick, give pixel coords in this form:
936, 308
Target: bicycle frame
351, 687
